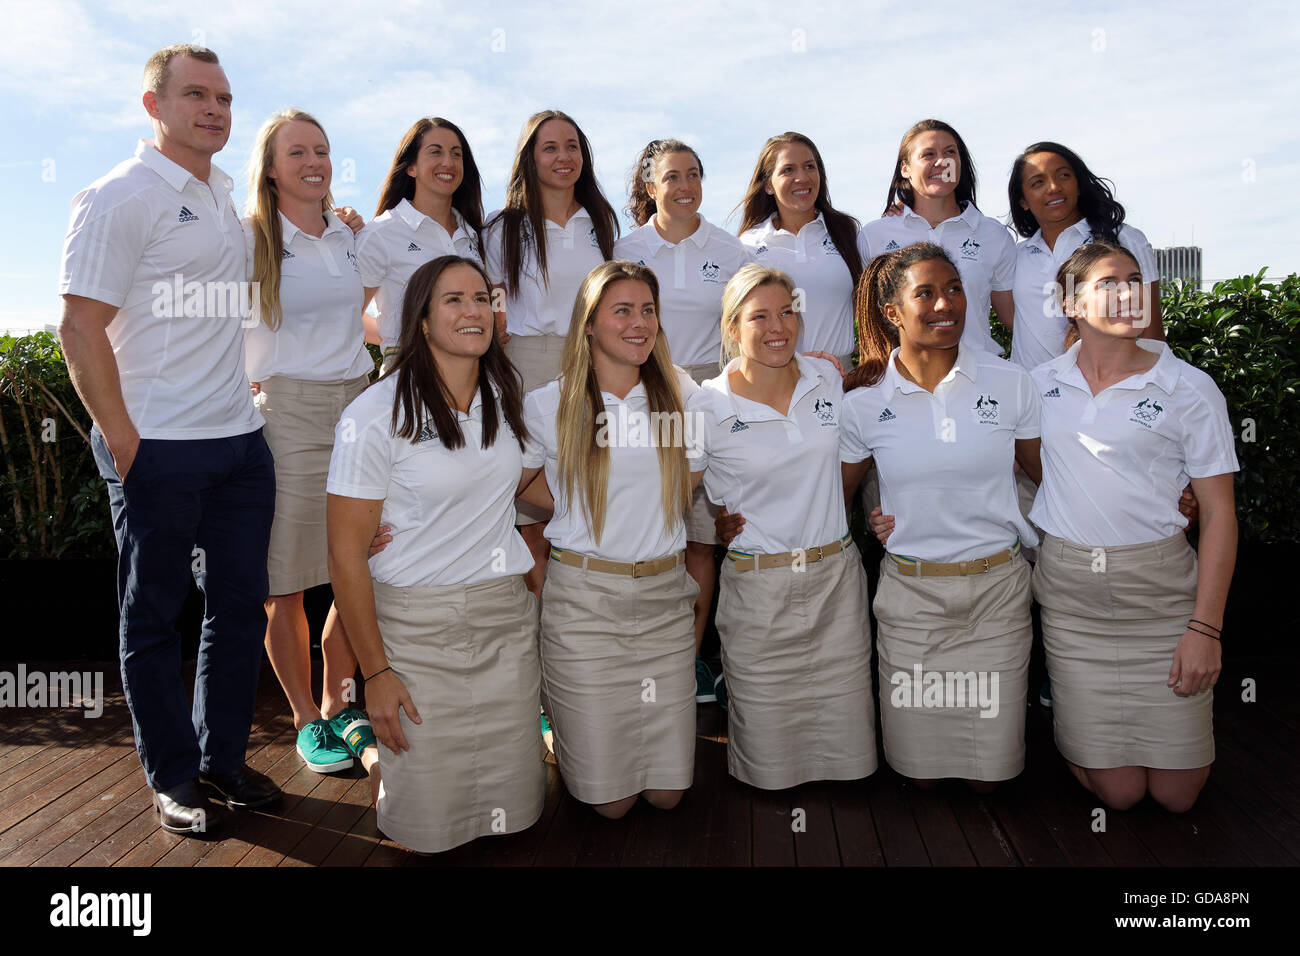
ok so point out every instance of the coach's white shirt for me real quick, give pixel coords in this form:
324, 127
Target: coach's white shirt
781, 472
982, 249
819, 272
692, 274
946, 459
537, 307
393, 245
320, 338
635, 529
1115, 464
168, 252
1039, 332
452, 512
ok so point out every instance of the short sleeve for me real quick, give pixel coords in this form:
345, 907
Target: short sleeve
853, 442
1029, 424
696, 433
493, 260
102, 251
362, 461
539, 426
1209, 447
1136, 242
864, 246
1004, 265
371, 261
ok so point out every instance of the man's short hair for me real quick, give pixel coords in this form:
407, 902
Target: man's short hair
158, 70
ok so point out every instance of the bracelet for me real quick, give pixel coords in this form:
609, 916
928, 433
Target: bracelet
1204, 624
1197, 630
375, 674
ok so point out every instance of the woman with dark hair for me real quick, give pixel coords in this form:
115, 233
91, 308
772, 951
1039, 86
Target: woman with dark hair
934, 179
1057, 205
616, 629
555, 227
1132, 616
788, 223
693, 261
442, 625
430, 205
943, 421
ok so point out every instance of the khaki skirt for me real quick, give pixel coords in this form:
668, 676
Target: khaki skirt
537, 360
467, 655
300, 419
953, 665
796, 652
618, 679
1112, 618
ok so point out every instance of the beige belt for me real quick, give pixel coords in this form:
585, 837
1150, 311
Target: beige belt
744, 561
636, 569
911, 567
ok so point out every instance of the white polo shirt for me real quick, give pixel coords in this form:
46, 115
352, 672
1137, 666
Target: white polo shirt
634, 516
781, 472
1114, 464
537, 307
393, 245
946, 459
692, 275
168, 252
452, 512
1038, 335
982, 249
820, 272
320, 338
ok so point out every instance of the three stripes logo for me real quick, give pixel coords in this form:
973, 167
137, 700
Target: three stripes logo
887, 416
891, 246
738, 426
186, 215
1052, 393
287, 255
413, 248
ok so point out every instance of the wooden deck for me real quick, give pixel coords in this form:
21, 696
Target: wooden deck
72, 794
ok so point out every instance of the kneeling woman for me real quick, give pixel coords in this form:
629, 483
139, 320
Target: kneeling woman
944, 420
446, 632
792, 609
1131, 619
617, 625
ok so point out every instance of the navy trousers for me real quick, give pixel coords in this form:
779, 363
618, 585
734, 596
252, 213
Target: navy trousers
198, 508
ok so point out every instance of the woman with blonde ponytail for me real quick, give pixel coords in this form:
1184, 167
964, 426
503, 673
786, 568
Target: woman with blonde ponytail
617, 641
944, 421
306, 360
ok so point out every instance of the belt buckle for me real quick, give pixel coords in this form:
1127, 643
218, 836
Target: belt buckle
818, 551
985, 569
637, 567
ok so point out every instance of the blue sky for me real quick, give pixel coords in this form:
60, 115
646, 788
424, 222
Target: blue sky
1190, 108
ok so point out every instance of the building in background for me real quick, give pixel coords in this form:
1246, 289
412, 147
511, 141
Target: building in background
1180, 262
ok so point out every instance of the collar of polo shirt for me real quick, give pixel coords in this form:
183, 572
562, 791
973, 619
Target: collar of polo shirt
969, 215
768, 228
967, 364
177, 176
288, 230
1164, 374
413, 217
724, 400
655, 242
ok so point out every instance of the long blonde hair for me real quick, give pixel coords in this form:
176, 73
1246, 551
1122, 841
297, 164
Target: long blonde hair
738, 289
583, 460
263, 212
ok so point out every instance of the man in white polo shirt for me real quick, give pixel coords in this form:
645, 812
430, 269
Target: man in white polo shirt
153, 284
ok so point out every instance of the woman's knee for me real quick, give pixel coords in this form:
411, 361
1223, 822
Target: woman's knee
1119, 787
1177, 790
615, 810
663, 799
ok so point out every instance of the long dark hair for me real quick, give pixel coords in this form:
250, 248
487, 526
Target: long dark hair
899, 187
523, 206
758, 206
420, 386
1097, 202
1074, 273
399, 184
639, 204
879, 286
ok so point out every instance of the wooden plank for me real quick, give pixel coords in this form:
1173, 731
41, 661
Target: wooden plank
691, 818
900, 840
988, 842
773, 838
945, 843
1236, 821
332, 827
647, 845
130, 798
296, 819
251, 829
816, 844
855, 826
1015, 813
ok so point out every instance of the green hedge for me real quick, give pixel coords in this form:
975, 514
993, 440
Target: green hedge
1243, 332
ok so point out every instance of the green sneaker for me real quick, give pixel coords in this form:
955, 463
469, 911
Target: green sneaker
548, 735
353, 728
321, 749
720, 690
704, 680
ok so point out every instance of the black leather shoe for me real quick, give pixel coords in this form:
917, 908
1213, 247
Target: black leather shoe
185, 809
243, 789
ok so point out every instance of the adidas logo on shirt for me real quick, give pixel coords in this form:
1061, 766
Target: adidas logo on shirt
738, 426
187, 216
286, 254
891, 246
413, 248
1052, 393
886, 416
1035, 251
